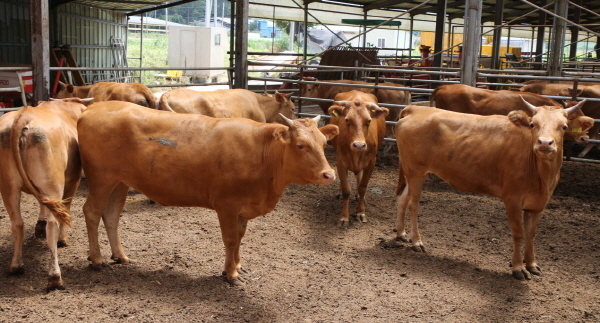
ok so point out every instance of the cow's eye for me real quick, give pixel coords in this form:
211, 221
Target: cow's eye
564, 127
300, 146
368, 122
531, 125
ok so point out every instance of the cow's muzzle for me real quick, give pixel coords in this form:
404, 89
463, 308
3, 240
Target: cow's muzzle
359, 146
545, 145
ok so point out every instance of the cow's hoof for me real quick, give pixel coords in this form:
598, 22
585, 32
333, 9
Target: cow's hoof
402, 238
361, 218
40, 229
238, 281
15, 271
534, 270
98, 267
344, 223
61, 243
418, 248
121, 261
521, 274
55, 282
242, 271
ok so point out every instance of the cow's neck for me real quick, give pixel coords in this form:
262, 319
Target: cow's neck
82, 91
269, 104
548, 170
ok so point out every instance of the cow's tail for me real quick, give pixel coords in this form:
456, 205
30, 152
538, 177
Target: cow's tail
164, 103
150, 98
401, 180
57, 207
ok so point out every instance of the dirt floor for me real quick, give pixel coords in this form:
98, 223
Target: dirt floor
304, 268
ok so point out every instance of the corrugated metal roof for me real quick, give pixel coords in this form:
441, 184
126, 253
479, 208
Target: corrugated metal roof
126, 5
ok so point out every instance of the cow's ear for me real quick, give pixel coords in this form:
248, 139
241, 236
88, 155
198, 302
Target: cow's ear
585, 123
280, 97
282, 134
336, 110
70, 88
520, 118
379, 112
330, 131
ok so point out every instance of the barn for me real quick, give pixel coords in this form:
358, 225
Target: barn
301, 267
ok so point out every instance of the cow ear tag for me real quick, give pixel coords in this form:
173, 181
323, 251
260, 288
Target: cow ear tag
576, 130
335, 113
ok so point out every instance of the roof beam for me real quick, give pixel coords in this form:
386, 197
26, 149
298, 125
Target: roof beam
378, 4
161, 6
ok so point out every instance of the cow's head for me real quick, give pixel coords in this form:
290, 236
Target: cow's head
548, 125
357, 116
286, 106
65, 91
304, 157
309, 90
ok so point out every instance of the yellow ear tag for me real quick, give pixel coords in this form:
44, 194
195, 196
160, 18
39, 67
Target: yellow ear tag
335, 114
576, 130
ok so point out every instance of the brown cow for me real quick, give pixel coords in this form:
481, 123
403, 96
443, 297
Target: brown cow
235, 103
516, 158
468, 99
39, 155
590, 109
103, 91
235, 166
325, 91
362, 127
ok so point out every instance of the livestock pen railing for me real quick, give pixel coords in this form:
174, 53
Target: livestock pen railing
435, 76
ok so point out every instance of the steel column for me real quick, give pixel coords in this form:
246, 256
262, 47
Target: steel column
472, 42
498, 18
559, 27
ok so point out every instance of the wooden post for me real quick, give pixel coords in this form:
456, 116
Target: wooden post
40, 50
241, 44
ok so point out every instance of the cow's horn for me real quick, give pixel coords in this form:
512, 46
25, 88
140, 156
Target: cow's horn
87, 100
342, 103
575, 107
288, 121
531, 107
317, 119
373, 106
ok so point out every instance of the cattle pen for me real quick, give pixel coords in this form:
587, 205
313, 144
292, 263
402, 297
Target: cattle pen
299, 263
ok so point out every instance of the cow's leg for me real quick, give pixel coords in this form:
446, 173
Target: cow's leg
362, 190
242, 225
415, 188
530, 222
69, 193
230, 232
111, 218
515, 221
346, 191
12, 198
93, 210
52, 232
401, 204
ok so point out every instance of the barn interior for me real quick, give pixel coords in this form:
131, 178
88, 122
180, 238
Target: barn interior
444, 42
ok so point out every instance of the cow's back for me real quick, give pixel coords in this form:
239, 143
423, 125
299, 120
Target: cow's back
128, 92
467, 99
442, 142
174, 159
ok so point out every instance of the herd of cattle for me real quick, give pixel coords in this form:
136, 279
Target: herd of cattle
218, 144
